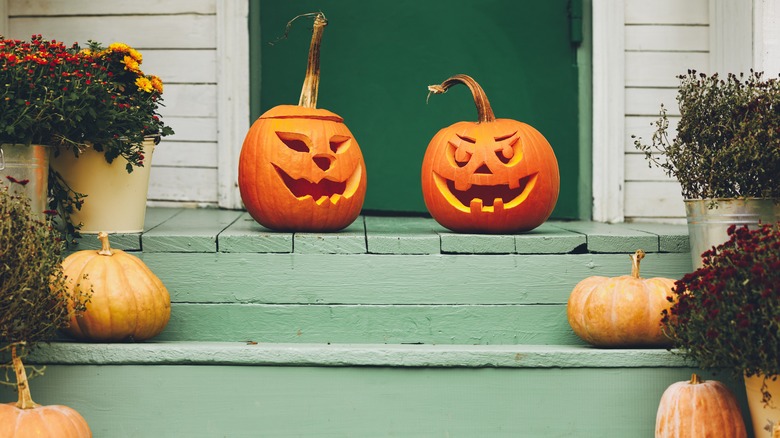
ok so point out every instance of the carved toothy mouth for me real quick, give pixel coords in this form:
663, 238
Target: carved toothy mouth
325, 189
484, 198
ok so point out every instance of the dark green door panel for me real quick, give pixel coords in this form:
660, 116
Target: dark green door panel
378, 58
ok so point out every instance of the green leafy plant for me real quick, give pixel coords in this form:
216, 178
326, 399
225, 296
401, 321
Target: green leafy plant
728, 137
74, 98
726, 314
33, 300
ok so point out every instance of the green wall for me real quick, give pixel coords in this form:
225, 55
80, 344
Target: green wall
377, 60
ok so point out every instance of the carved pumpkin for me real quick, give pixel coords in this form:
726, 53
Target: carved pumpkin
698, 408
128, 303
622, 311
27, 419
301, 168
489, 176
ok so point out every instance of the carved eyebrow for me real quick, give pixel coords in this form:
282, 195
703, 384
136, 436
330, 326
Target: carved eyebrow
504, 137
467, 138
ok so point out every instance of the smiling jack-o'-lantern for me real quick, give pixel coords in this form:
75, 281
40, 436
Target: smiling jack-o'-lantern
489, 176
300, 168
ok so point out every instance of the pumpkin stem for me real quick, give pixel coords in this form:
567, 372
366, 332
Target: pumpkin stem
105, 246
311, 82
484, 111
25, 399
695, 380
635, 259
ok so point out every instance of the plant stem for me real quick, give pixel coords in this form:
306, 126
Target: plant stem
484, 111
25, 399
636, 258
311, 82
695, 380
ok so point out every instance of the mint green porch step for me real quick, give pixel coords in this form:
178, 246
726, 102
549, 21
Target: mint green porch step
204, 389
384, 279
392, 327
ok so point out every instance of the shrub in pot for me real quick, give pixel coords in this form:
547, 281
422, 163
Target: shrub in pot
726, 152
726, 313
33, 305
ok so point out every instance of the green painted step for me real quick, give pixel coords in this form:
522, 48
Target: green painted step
384, 279
204, 389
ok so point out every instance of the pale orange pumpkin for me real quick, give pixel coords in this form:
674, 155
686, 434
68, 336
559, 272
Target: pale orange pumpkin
699, 408
128, 302
622, 311
27, 419
489, 176
300, 167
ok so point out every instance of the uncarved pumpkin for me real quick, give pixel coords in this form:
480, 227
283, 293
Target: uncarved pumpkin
489, 176
27, 419
622, 311
300, 167
699, 408
128, 302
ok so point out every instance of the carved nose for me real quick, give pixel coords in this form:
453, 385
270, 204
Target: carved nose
322, 161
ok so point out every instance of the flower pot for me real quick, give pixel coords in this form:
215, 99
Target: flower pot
708, 220
31, 163
763, 416
116, 200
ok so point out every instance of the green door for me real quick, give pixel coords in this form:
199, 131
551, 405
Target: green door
378, 58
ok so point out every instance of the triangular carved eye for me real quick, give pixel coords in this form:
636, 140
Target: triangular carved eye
340, 143
294, 140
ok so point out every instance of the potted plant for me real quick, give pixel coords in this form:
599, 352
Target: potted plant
726, 315
726, 154
33, 305
85, 102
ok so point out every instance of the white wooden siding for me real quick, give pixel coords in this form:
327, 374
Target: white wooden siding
663, 39
178, 40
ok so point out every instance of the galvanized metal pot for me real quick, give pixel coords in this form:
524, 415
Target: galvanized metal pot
708, 220
27, 163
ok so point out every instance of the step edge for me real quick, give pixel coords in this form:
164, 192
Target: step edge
351, 355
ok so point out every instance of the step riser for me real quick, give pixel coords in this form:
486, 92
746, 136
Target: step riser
484, 299
260, 401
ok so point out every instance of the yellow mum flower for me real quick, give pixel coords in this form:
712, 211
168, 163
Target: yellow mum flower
135, 54
119, 48
156, 83
144, 84
131, 64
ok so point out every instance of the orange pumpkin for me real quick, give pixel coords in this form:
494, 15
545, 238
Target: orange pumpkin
300, 167
27, 419
128, 303
489, 176
622, 311
698, 408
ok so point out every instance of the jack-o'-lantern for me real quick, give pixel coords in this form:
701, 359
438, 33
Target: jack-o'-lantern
489, 176
301, 168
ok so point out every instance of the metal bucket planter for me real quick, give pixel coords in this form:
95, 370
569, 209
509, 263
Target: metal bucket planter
28, 163
116, 200
708, 220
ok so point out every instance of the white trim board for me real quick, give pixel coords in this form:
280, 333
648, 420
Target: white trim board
608, 110
232, 96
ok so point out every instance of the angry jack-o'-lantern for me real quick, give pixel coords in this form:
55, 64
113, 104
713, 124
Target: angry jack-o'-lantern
489, 176
300, 168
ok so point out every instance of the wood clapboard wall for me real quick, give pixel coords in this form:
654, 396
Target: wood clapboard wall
178, 41
663, 39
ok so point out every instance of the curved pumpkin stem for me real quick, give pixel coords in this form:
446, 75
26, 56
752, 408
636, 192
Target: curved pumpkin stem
695, 380
484, 111
311, 82
105, 246
635, 259
25, 399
